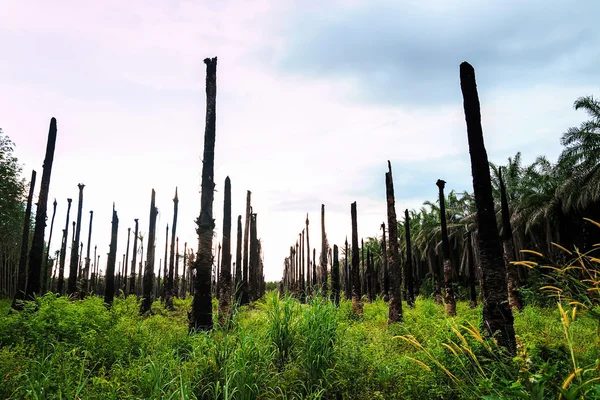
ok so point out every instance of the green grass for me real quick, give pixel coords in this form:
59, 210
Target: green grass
280, 349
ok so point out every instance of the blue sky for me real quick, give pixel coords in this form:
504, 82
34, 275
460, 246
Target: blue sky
312, 101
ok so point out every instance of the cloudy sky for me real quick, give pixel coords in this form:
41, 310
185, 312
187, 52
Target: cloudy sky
312, 100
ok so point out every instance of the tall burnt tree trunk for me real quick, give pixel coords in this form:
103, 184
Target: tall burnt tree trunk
72, 283
512, 275
47, 269
170, 292
302, 286
200, 316
362, 267
63, 252
410, 290
357, 306
149, 270
109, 288
166, 283
369, 276
497, 315
36, 254
22, 271
176, 281
348, 281
126, 289
184, 278
140, 271
253, 274
323, 253
395, 312
84, 283
335, 277
134, 258
244, 295
238, 262
450, 303
225, 278
386, 274
308, 278
218, 271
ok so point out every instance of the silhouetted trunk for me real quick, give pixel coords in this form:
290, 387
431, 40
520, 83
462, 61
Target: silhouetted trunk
369, 277
357, 306
184, 272
200, 316
72, 283
245, 296
225, 278
47, 269
302, 287
497, 315
323, 253
146, 305
238, 263
22, 271
308, 274
109, 288
348, 282
253, 278
126, 276
63, 252
512, 275
335, 277
84, 282
363, 289
450, 303
166, 284
170, 292
217, 271
395, 311
410, 291
134, 258
176, 281
314, 271
36, 254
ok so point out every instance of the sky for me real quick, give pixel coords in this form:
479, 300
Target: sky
313, 98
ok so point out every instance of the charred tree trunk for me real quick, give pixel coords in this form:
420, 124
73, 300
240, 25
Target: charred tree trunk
166, 283
109, 288
22, 277
238, 263
512, 275
450, 303
134, 257
410, 290
253, 278
126, 289
184, 272
244, 295
335, 277
302, 287
200, 317
348, 281
85, 286
72, 283
395, 311
176, 282
323, 253
308, 278
63, 252
170, 292
369, 277
497, 315
357, 306
47, 270
225, 278
149, 270
36, 254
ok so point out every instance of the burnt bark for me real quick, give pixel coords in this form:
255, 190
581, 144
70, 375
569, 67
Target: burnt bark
165, 289
450, 302
238, 263
126, 276
72, 283
170, 292
84, 282
253, 280
148, 279
335, 277
244, 289
47, 270
357, 306
22, 271
409, 281
134, 257
348, 280
63, 252
309, 283
36, 253
225, 278
109, 288
512, 275
200, 317
395, 310
497, 315
323, 253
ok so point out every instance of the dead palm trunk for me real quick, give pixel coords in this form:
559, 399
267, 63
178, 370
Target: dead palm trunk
238, 263
36, 254
47, 270
133, 258
410, 290
245, 296
323, 253
386, 275
85, 286
176, 282
369, 276
225, 278
109, 288
335, 277
200, 316
395, 312
512, 275
63, 252
308, 279
357, 306
348, 282
170, 291
126, 276
448, 289
253, 267
165, 268
72, 283
497, 315
149, 270
21, 279
302, 287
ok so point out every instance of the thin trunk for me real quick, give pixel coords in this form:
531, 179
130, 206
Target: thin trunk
369, 277
253, 267
218, 271
471, 266
308, 279
512, 275
170, 292
323, 253
126, 277
184, 272
176, 281
85, 285
109, 288
348, 282
395, 312
450, 303
357, 306
245, 297
410, 290
134, 257
497, 315
225, 278
21, 280
149, 270
335, 277
200, 317
238, 263
36, 254
63, 252
302, 287
314, 271
73, 273
167, 283
47, 269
